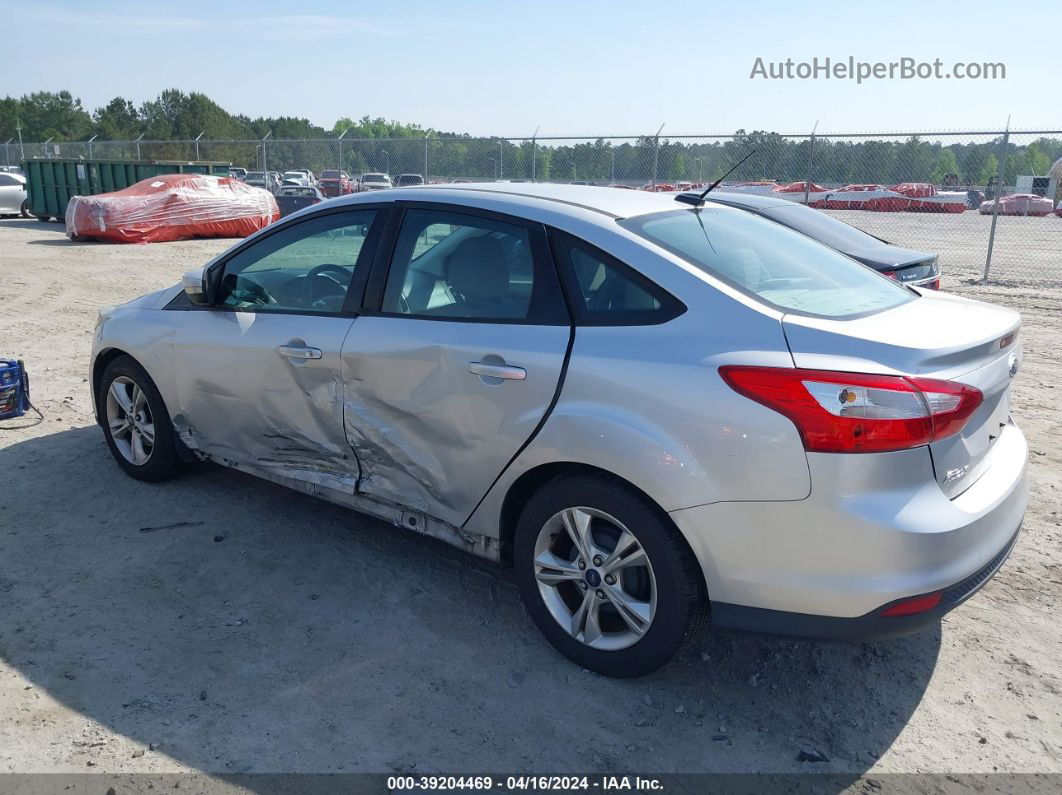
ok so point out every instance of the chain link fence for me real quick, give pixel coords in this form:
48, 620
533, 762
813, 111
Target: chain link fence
987, 202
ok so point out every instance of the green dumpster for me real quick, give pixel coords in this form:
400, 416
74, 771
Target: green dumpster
51, 183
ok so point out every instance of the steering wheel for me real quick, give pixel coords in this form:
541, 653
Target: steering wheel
329, 271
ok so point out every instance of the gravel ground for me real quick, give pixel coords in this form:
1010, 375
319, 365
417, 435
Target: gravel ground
221, 624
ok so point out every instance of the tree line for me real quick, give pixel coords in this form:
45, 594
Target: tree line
175, 116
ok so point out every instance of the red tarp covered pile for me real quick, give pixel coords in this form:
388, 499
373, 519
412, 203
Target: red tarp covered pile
172, 207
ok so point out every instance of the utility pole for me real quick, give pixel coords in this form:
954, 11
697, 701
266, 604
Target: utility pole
501, 160
197, 144
427, 135
139, 138
21, 149
90, 140
656, 153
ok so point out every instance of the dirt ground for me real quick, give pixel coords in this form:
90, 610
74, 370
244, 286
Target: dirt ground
259, 630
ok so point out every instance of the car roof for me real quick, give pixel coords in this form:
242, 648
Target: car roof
613, 202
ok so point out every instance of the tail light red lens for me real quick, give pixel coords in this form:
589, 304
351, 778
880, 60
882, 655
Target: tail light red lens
858, 413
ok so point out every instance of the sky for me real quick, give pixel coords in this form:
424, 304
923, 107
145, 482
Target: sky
578, 67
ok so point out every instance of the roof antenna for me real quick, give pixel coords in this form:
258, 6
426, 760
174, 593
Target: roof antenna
697, 199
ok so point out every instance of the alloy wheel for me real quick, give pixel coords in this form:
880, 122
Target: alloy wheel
129, 420
595, 578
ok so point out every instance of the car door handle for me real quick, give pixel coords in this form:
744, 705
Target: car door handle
299, 352
506, 371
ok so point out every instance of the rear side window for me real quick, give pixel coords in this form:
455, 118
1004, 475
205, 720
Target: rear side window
771, 262
607, 292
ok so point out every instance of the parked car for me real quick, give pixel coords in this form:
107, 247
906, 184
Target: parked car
917, 268
13, 197
171, 207
335, 183
263, 179
1018, 204
374, 181
297, 178
292, 198
658, 414
237, 172
408, 180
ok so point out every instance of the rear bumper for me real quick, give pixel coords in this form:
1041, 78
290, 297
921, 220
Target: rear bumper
872, 626
874, 530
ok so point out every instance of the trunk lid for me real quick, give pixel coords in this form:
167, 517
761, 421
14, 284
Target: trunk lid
936, 336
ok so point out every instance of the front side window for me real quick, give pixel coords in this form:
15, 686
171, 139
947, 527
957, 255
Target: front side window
781, 267
451, 265
307, 267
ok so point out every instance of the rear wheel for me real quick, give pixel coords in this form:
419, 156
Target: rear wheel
25, 210
135, 422
606, 576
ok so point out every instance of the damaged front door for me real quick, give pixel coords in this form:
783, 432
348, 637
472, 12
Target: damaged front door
453, 375
258, 374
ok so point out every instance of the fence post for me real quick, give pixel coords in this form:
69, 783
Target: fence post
811, 163
656, 153
534, 152
999, 196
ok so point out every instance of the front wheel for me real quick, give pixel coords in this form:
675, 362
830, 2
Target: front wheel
135, 422
606, 576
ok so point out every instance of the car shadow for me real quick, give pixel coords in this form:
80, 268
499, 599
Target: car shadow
236, 626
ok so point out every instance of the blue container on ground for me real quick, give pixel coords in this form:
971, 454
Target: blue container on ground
14, 388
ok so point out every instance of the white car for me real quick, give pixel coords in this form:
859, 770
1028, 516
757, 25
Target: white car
13, 197
374, 181
300, 178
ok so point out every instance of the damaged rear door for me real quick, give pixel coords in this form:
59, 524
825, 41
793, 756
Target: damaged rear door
258, 373
456, 360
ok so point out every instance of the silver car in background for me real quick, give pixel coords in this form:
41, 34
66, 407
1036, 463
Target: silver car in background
661, 415
13, 197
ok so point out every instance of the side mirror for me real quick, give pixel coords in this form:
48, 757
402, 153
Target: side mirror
194, 284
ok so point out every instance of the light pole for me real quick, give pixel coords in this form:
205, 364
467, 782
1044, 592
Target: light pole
501, 159
340, 139
90, 140
265, 165
44, 147
138, 145
197, 144
700, 168
493, 163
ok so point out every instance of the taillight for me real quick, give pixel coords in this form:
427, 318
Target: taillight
933, 285
858, 413
891, 274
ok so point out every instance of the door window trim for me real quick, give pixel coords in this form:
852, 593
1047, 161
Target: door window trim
352, 303
541, 253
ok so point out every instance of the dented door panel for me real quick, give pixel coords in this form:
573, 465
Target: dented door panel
241, 399
430, 434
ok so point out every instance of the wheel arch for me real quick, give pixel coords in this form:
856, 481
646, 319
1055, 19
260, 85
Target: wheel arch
99, 364
525, 486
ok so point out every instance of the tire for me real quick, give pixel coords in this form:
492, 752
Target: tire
669, 589
25, 210
157, 461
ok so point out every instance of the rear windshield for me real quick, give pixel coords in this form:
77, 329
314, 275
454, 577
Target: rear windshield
822, 227
777, 265
329, 175
375, 178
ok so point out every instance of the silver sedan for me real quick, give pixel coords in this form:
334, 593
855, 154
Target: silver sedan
660, 413
13, 197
